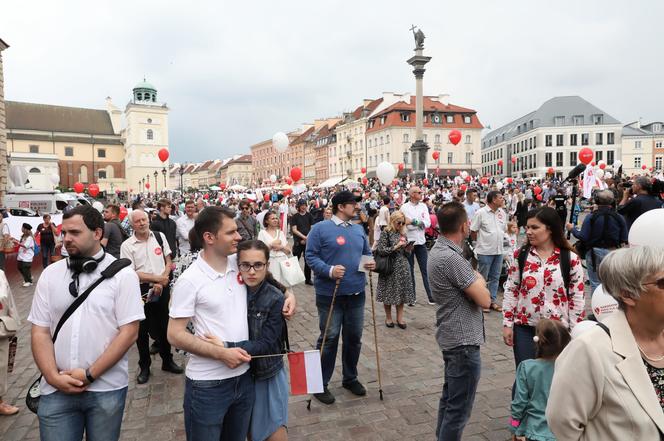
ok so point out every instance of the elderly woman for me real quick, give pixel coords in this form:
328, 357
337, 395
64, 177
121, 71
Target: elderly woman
609, 382
396, 288
9, 321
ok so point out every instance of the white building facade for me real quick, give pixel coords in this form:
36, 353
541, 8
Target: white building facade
642, 145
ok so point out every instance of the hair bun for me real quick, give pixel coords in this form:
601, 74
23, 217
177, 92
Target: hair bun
535, 339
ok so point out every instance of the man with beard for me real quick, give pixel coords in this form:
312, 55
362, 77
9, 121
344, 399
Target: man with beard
114, 235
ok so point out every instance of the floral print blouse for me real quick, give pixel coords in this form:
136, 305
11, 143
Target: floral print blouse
657, 377
541, 292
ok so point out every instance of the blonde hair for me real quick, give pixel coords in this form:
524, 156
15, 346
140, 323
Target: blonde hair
394, 218
512, 224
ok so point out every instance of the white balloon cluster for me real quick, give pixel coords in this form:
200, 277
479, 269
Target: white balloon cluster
385, 172
18, 175
645, 227
280, 142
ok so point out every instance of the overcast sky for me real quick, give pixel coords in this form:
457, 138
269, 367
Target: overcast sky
234, 73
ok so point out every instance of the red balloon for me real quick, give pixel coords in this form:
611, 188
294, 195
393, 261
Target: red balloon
500, 163
401, 166
206, 196
78, 187
436, 155
643, 167
163, 155
602, 166
510, 180
484, 180
454, 136
289, 181
395, 182
539, 197
592, 164
586, 155
93, 189
147, 185
463, 187
123, 212
296, 174
550, 170
364, 169
468, 178
222, 186
425, 181
266, 197
287, 191
537, 190
651, 169
513, 159
365, 181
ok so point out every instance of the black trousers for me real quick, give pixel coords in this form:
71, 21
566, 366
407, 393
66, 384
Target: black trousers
26, 270
156, 324
297, 252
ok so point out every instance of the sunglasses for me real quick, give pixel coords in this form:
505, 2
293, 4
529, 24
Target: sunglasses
658, 282
73, 286
246, 267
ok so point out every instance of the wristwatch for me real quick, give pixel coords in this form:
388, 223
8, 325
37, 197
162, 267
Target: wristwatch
89, 376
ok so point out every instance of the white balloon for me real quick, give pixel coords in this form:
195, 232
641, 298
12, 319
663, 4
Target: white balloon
98, 206
599, 173
499, 185
608, 175
617, 164
583, 327
280, 141
464, 174
18, 174
603, 304
385, 172
55, 179
273, 178
645, 227
601, 162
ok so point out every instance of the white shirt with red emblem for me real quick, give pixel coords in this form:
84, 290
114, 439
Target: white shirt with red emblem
541, 293
146, 255
490, 227
420, 212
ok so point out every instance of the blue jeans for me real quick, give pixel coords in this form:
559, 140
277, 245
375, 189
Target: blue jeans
349, 314
218, 409
490, 266
46, 252
523, 346
64, 417
600, 254
421, 252
462, 373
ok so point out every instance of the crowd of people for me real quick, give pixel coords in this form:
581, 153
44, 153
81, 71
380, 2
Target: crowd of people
471, 238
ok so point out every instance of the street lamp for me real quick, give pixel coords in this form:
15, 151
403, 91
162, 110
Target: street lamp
156, 173
148, 182
181, 173
163, 172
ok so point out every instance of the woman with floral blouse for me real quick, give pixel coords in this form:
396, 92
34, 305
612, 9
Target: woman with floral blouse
540, 292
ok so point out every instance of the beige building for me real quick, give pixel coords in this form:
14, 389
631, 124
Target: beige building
237, 171
642, 145
3, 135
266, 161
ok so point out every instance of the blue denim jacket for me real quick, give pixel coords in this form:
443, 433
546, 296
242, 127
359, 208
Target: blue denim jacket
266, 324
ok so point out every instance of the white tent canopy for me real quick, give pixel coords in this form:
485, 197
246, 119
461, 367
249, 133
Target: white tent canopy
332, 181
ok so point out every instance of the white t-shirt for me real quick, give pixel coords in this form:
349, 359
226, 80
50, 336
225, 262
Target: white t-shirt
490, 227
26, 252
421, 213
267, 239
183, 226
217, 305
93, 326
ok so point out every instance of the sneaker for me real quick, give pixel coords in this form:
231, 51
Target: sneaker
26, 284
325, 397
431, 303
356, 388
411, 304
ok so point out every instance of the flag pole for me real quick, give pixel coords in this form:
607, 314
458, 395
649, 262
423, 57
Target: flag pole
327, 325
373, 315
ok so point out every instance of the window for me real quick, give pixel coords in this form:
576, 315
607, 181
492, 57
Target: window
150, 134
658, 145
610, 138
558, 121
83, 174
656, 127
548, 159
466, 119
102, 174
637, 144
387, 140
559, 140
450, 157
405, 137
578, 120
598, 156
530, 162
559, 159
371, 123
585, 137
469, 157
405, 117
530, 124
383, 119
599, 138
637, 162
34, 149
382, 157
449, 118
387, 156
437, 139
101, 153
548, 140
149, 120
534, 142
572, 139
610, 157
598, 119
425, 137
467, 139
34, 170
658, 163
69, 151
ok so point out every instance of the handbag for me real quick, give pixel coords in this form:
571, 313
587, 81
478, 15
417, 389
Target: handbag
291, 273
34, 392
384, 263
8, 326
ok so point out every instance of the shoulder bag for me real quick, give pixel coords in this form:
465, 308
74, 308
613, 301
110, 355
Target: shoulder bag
34, 393
384, 262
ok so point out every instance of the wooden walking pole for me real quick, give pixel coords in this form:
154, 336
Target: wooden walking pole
327, 326
373, 315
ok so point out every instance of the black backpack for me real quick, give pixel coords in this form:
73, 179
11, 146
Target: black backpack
564, 265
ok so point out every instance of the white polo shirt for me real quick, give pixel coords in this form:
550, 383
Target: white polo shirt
217, 305
490, 227
146, 255
93, 326
184, 224
421, 213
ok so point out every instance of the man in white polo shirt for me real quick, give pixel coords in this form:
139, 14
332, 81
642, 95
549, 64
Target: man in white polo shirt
219, 390
85, 373
488, 227
417, 220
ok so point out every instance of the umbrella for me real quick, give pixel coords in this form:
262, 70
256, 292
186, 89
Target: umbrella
214, 188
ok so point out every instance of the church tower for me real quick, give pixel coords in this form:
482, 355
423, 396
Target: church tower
145, 134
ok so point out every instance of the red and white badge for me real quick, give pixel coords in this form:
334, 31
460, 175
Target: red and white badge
239, 279
530, 282
341, 241
157, 251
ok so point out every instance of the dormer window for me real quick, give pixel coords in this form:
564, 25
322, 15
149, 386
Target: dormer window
657, 127
466, 119
382, 120
405, 117
449, 119
578, 120
559, 121
435, 118
598, 119
139, 96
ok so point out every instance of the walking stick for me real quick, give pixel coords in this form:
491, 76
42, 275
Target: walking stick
373, 315
327, 326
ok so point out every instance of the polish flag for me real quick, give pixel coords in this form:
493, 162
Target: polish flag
306, 375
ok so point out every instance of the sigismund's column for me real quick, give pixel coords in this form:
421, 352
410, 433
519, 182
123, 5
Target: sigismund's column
419, 147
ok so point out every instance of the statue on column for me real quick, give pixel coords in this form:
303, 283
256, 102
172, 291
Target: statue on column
419, 38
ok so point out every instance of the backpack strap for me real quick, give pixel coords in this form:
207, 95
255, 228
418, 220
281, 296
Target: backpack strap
565, 255
605, 328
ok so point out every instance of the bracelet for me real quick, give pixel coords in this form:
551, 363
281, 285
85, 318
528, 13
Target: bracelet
89, 376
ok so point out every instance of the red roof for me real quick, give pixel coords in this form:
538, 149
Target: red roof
357, 114
303, 136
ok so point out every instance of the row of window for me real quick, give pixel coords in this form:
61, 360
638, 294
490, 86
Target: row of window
69, 151
434, 118
599, 156
558, 121
585, 139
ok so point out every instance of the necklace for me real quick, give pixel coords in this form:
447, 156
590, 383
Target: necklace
660, 358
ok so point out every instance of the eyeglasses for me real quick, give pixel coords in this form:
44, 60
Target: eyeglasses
246, 267
658, 282
246, 208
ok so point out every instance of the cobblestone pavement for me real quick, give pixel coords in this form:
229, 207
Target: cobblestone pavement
411, 375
